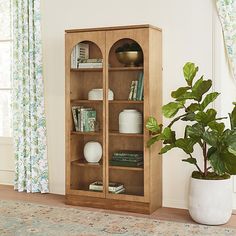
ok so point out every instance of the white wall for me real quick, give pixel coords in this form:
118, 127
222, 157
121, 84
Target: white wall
6, 161
187, 36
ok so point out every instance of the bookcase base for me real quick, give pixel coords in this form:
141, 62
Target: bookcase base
109, 204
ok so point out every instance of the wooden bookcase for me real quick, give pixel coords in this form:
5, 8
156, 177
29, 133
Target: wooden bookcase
143, 184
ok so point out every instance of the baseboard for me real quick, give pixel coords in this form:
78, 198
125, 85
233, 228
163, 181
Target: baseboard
174, 203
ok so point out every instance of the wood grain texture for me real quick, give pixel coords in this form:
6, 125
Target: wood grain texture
112, 28
143, 185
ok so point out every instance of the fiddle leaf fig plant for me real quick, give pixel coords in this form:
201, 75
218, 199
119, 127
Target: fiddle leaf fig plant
192, 104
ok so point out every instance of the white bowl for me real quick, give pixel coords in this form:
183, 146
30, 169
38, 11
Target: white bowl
97, 94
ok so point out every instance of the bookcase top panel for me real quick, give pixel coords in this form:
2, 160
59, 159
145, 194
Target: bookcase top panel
112, 28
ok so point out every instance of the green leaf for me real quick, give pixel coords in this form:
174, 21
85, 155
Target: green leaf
233, 118
189, 117
190, 71
152, 125
191, 161
168, 135
179, 92
195, 131
217, 163
219, 127
210, 137
201, 117
205, 117
153, 140
186, 144
200, 88
193, 107
185, 96
169, 110
223, 162
208, 99
166, 148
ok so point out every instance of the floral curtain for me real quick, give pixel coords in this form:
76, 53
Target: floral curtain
227, 13
29, 125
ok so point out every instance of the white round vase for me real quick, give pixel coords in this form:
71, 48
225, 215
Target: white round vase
130, 121
93, 151
210, 201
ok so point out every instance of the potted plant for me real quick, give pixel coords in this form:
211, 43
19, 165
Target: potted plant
210, 193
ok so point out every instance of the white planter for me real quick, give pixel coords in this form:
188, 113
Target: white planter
210, 201
93, 151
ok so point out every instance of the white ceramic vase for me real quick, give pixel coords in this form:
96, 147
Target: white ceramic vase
210, 201
130, 121
93, 151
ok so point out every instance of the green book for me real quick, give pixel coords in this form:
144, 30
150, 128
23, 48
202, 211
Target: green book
125, 163
89, 120
128, 154
139, 86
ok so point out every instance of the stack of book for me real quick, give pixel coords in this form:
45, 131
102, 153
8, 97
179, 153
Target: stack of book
84, 118
136, 88
113, 187
90, 63
80, 51
127, 158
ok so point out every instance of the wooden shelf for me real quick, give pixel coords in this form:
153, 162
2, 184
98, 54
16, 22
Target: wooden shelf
126, 68
77, 101
86, 164
87, 70
125, 102
116, 133
125, 168
86, 133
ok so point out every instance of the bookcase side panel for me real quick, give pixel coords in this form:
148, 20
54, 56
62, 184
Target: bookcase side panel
155, 104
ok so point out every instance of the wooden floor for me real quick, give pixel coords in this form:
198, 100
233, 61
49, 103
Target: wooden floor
170, 214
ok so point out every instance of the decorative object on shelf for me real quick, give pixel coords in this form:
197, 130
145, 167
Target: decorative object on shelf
80, 51
93, 151
130, 121
97, 94
127, 158
210, 192
130, 54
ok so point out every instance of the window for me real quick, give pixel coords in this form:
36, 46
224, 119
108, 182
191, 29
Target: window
5, 68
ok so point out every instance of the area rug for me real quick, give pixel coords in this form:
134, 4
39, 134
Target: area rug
22, 219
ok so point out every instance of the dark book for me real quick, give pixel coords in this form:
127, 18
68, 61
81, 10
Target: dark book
125, 163
127, 158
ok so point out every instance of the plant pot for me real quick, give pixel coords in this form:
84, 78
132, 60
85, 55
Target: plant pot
210, 201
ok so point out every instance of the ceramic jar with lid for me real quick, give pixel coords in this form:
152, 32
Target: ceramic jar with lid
130, 121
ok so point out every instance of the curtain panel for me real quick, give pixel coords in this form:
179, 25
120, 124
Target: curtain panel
29, 124
227, 14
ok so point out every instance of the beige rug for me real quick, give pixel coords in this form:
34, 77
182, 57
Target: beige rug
23, 219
